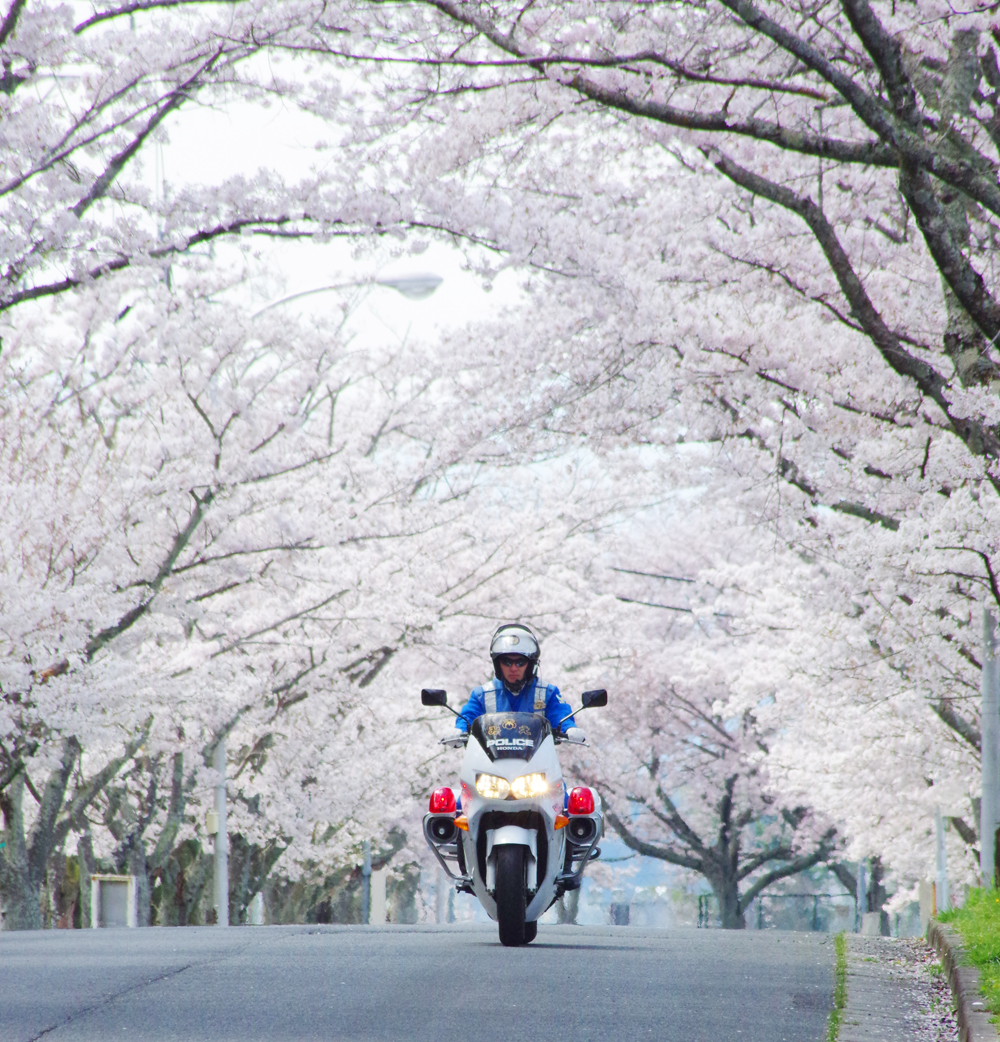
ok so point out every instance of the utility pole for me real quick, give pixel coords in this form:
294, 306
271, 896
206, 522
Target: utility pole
366, 880
989, 814
221, 838
942, 863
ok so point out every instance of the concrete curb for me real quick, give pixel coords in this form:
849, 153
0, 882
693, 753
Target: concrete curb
974, 1024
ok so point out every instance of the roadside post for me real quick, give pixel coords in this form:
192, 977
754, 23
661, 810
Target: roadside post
989, 812
861, 897
221, 838
377, 904
366, 880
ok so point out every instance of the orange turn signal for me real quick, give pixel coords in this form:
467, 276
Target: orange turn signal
561, 821
463, 822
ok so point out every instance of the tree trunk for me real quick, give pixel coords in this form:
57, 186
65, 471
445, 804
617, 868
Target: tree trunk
249, 867
137, 868
18, 891
727, 893
877, 895
25, 860
964, 342
85, 852
195, 876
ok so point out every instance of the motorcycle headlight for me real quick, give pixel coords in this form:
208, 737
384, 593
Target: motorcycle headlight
528, 785
490, 787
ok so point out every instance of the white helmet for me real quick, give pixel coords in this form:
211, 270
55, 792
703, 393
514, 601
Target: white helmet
514, 638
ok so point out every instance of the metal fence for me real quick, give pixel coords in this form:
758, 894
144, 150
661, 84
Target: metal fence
823, 913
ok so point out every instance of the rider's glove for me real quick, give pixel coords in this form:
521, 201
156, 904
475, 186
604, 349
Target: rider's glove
455, 737
576, 736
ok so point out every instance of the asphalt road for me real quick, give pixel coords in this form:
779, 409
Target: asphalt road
299, 984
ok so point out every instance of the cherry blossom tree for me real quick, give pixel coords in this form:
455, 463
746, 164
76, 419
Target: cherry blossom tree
89, 90
226, 527
197, 525
783, 221
715, 211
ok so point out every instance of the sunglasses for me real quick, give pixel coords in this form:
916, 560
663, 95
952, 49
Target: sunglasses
513, 660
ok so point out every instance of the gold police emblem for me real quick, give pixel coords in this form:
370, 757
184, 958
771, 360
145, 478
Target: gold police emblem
540, 705
508, 724
493, 730
524, 729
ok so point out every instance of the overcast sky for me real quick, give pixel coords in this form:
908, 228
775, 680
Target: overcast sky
208, 145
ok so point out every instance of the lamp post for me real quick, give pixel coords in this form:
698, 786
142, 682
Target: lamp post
221, 837
413, 287
990, 752
941, 860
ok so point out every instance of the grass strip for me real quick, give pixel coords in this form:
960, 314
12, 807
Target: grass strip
978, 922
839, 987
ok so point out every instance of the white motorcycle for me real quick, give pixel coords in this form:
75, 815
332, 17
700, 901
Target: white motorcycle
518, 840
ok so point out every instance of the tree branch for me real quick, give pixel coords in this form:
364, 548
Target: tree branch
10, 21
967, 833
751, 864
144, 5
280, 622
805, 142
847, 878
800, 864
888, 57
100, 187
966, 283
175, 816
965, 730
640, 846
977, 179
976, 436
40, 843
181, 540
92, 789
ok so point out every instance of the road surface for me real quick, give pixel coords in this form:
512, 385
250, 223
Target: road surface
389, 984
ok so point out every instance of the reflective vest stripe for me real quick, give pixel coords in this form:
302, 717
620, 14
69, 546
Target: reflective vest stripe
492, 689
543, 687
490, 696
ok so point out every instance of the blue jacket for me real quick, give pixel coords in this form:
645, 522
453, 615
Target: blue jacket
532, 698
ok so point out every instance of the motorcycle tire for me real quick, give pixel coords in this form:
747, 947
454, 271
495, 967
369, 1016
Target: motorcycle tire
510, 895
530, 932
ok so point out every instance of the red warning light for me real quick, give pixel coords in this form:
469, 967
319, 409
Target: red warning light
581, 801
443, 801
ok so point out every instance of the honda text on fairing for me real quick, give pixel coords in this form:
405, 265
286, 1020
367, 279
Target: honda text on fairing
516, 839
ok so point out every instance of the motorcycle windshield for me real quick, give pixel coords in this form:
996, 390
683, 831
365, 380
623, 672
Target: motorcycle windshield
510, 736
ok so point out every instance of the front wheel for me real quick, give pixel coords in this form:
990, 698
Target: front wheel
510, 895
530, 932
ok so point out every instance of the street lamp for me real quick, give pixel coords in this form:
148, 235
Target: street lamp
413, 287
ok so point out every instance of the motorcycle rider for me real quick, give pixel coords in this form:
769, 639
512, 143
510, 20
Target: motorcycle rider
516, 687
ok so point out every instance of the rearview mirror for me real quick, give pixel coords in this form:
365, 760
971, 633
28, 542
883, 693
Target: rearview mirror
594, 699
433, 697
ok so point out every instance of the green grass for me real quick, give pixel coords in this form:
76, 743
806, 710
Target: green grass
839, 987
978, 922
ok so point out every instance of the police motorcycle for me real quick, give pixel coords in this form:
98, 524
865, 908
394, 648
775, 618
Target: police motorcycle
515, 839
